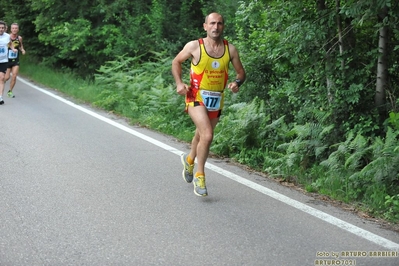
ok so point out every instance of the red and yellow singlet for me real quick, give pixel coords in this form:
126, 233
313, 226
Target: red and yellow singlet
208, 79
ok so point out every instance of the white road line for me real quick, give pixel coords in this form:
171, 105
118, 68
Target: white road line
383, 242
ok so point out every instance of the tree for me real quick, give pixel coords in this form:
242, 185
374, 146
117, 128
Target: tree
382, 63
321, 55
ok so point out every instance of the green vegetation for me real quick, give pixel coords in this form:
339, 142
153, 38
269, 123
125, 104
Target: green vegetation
319, 107
61, 80
143, 92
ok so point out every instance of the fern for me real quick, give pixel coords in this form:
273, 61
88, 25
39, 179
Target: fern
385, 161
242, 125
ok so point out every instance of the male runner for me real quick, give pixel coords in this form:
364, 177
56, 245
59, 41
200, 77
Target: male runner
13, 58
5, 42
210, 58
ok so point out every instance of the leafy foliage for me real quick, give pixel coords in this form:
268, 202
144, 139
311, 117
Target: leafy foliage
241, 126
142, 92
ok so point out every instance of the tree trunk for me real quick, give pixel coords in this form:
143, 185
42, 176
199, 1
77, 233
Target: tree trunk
340, 39
321, 6
382, 66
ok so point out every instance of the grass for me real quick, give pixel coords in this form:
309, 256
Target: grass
66, 82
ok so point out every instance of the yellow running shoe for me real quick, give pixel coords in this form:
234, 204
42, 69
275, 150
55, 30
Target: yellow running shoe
200, 186
188, 169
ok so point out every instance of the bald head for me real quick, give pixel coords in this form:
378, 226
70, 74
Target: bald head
215, 16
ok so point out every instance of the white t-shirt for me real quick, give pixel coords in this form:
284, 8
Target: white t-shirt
4, 41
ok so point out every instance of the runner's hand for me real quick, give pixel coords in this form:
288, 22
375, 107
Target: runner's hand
182, 88
233, 86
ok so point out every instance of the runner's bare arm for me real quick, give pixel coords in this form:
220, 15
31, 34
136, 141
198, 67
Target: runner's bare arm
11, 45
240, 72
21, 45
187, 52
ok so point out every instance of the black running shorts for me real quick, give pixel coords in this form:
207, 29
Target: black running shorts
3, 67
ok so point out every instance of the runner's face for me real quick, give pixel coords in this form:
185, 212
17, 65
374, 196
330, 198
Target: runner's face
214, 26
2, 29
14, 29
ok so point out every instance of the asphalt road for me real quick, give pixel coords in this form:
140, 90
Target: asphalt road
79, 186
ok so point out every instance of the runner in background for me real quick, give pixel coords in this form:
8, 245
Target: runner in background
5, 43
13, 58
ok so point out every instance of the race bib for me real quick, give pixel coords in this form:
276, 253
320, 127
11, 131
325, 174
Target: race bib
3, 51
12, 55
211, 99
